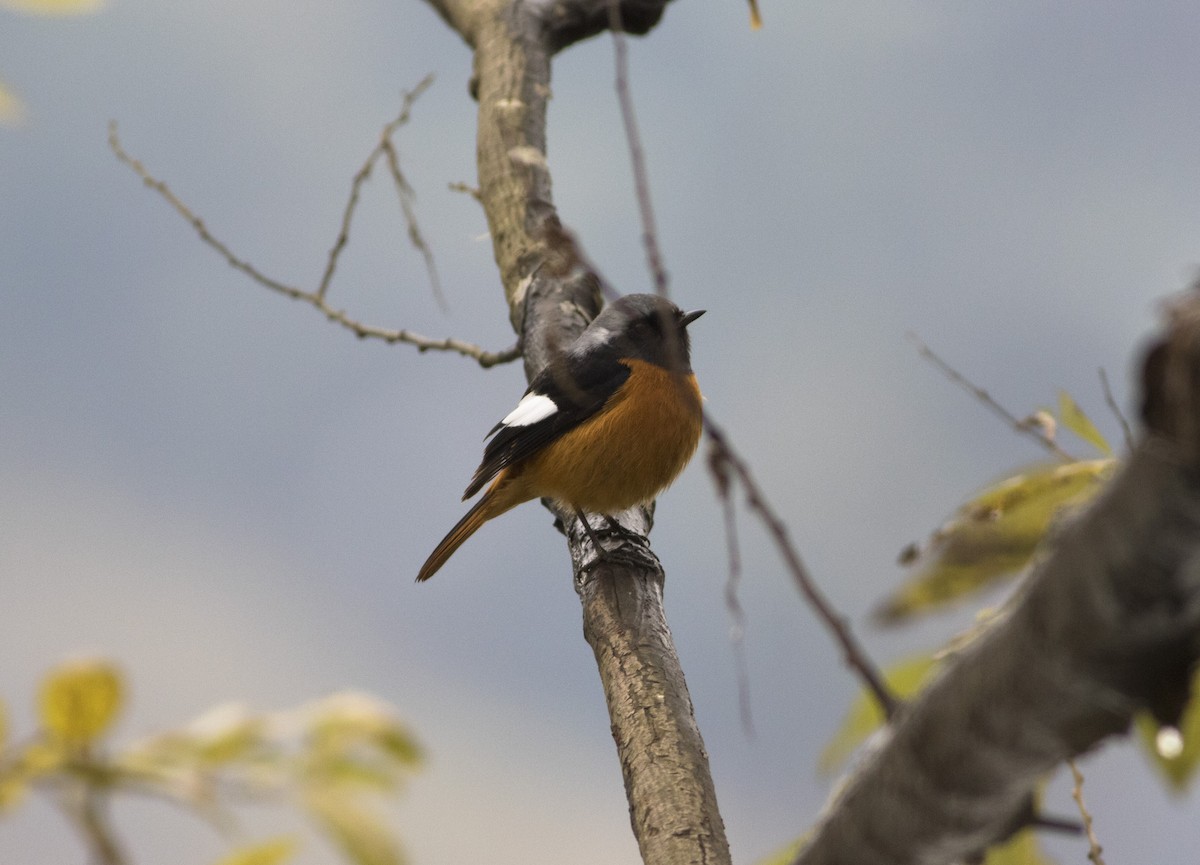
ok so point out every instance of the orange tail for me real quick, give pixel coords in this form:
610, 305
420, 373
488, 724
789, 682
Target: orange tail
495, 501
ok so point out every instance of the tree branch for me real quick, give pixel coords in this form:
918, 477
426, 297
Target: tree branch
552, 293
1107, 624
317, 298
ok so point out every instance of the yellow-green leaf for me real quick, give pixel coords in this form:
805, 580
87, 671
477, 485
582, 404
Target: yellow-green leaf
1076, 421
864, 716
12, 110
362, 837
79, 700
224, 734
992, 536
270, 852
785, 855
1177, 768
344, 722
53, 7
1022, 849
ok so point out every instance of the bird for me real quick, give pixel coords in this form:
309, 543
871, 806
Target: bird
608, 424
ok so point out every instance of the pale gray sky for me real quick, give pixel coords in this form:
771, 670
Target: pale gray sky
231, 496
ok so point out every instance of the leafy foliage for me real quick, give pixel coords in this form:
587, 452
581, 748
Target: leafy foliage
992, 536
328, 758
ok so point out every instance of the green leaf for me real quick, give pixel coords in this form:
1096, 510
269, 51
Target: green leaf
79, 700
992, 536
270, 852
785, 855
345, 722
1076, 421
1177, 769
864, 716
1022, 849
361, 836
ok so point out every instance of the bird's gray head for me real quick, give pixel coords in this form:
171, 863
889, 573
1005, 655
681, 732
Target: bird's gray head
643, 327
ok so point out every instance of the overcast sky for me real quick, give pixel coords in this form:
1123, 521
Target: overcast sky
230, 496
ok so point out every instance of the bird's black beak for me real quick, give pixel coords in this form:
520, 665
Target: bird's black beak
689, 317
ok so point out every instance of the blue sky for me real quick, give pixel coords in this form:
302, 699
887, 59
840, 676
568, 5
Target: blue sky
230, 496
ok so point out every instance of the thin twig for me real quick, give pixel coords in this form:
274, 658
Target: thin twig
853, 652
1116, 409
466, 189
637, 158
1033, 431
737, 614
406, 196
314, 298
385, 146
1094, 848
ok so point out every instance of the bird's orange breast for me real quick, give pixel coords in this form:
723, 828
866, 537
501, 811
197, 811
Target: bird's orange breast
629, 451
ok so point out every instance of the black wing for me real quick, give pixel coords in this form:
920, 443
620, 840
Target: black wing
578, 387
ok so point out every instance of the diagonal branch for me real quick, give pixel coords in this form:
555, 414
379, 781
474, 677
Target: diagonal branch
552, 292
317, 298
1106, 625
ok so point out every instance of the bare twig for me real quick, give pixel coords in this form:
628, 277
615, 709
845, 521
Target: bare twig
1094, 848
317, 299
719, 467
1034, 431
637, 158
1116, 409
466, 189
854, 654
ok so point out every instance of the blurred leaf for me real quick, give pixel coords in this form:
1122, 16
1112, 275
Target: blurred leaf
79, 700
992, 536
270, 852
1022, 849
362, 837
53, 7
864, 716
345, 721
224, 734
12, 784
12, 110
1079, 423
785, 855
1178, 769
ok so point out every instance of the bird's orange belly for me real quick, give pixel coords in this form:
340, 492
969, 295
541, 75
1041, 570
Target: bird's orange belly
630, 451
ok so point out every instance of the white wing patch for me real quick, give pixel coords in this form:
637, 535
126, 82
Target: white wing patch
532, 408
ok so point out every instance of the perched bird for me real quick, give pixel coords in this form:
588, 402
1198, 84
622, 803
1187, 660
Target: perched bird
607, 425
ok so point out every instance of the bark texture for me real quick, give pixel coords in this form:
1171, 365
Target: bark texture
552, 296
1107, 624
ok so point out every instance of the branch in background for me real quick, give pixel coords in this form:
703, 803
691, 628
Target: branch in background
404, 192
1106, 625
637, 158
1094, 848
1033, 430
725, 462
1111, 401
317, 298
